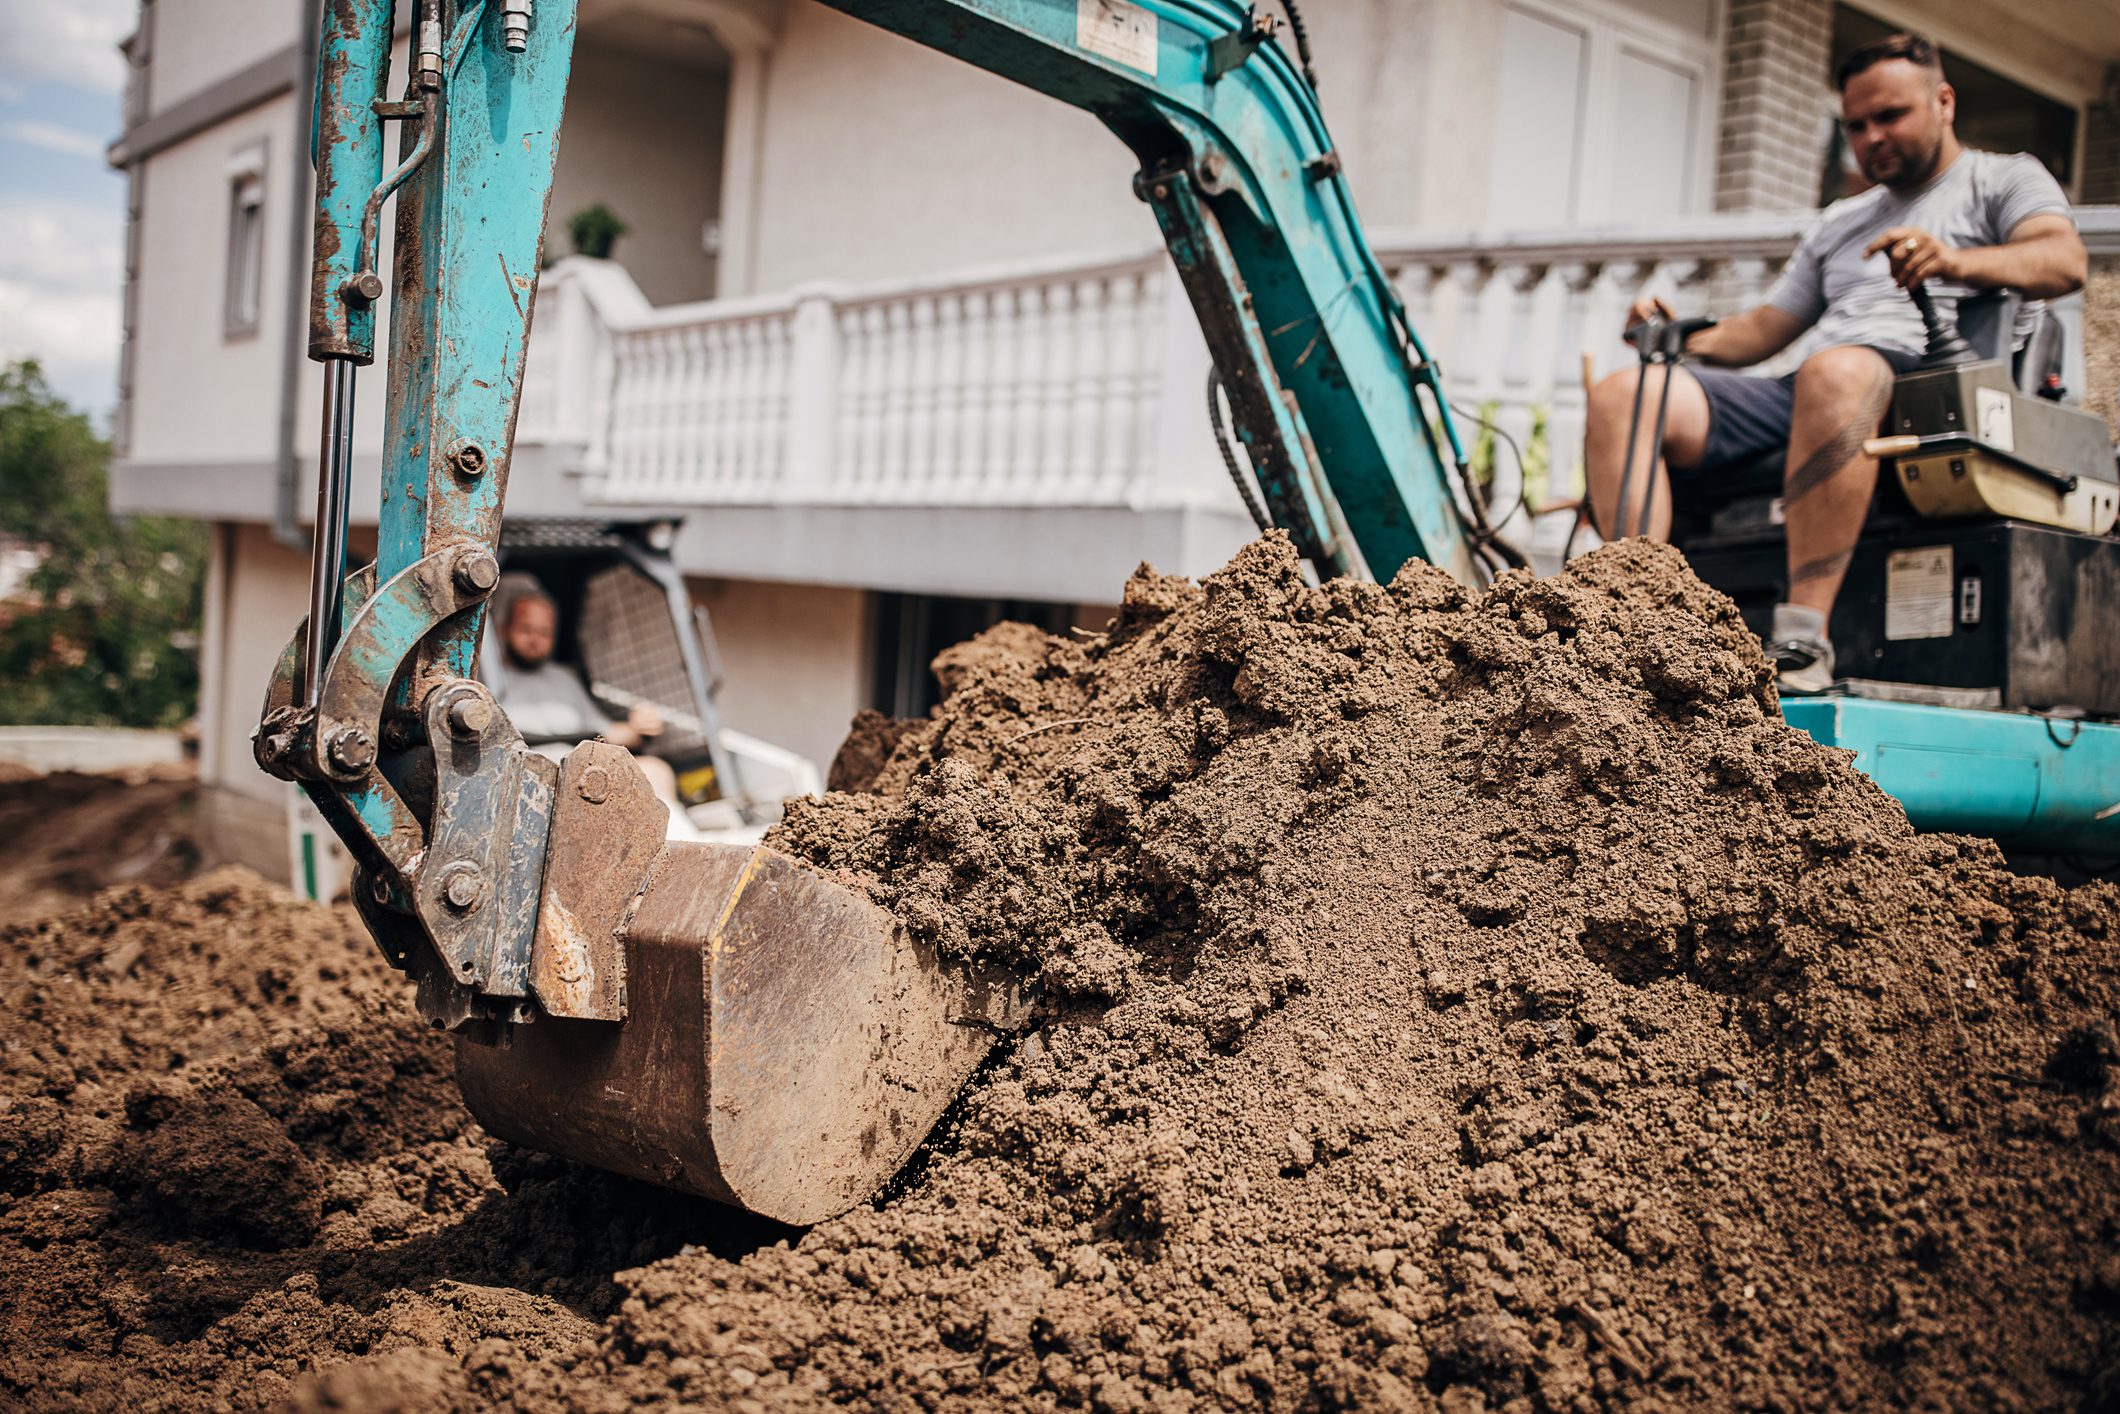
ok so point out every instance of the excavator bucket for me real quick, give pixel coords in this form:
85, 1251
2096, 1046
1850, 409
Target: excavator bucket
786, 1047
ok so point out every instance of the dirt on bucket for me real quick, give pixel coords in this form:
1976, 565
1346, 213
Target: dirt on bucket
1448, 999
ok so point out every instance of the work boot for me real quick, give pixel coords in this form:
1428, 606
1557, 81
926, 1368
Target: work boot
1803, 667
1800, 651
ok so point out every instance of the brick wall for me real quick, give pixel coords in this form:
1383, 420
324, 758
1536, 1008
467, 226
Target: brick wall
2101, 145
1777, 96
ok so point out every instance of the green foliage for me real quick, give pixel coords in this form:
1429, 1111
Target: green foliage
595, 230
105, 632
1537, 446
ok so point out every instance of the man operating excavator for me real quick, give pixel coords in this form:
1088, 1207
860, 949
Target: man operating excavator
1936, 211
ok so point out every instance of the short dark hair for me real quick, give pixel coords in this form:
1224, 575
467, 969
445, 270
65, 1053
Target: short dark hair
1917, 49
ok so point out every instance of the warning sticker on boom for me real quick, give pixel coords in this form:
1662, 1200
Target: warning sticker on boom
1117, 30
1917, 593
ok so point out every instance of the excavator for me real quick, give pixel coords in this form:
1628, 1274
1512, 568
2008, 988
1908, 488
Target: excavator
722, 1019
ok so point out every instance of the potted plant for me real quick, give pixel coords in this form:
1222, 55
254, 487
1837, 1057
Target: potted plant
595, 230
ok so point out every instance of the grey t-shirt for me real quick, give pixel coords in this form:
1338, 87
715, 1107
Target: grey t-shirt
549, 703
1976, 201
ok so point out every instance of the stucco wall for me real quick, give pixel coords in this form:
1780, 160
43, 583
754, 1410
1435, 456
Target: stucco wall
796, 661
199, 395
266, 596
645, 139
883, 160
197, 43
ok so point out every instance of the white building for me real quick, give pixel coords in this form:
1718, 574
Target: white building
897, 339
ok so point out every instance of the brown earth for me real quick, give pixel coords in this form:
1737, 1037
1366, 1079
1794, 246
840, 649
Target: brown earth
1450, 999
69, 834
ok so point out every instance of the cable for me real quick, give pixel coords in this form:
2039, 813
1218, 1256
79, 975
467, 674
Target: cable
1302, 36
1486, 538
1245, 483
1522, 505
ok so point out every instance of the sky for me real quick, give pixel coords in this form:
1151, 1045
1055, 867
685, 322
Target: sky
62, 260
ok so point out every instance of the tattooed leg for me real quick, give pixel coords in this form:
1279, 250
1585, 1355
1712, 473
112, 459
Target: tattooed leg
1811, 571
1841, 396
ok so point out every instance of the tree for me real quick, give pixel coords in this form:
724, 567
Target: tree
105, 630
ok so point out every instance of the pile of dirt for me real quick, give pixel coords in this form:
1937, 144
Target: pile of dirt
71, 833
1447, 999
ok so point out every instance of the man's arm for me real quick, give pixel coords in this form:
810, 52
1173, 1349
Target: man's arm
1735, 342
1746, 338
2043, 258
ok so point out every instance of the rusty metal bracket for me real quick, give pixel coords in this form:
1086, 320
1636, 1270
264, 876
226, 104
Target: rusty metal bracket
477, 889
1232, 50
607, 833
378, 641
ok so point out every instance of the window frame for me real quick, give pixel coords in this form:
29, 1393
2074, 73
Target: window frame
243, 272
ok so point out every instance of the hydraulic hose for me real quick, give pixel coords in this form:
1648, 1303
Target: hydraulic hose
1302, 38
1246, 488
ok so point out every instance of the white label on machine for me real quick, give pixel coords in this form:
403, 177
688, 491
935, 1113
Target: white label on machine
1918, 593
1118, 31
1991, 407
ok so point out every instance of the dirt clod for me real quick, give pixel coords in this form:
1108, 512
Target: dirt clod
1447, 1000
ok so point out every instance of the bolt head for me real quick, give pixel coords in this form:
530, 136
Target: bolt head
477, 571
463, 886
595, 785
470, 715
365, 287
468, 457
352, 749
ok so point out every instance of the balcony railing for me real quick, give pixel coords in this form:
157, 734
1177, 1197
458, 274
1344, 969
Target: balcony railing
1072, 383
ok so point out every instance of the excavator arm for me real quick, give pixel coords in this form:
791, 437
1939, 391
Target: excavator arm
722, 1019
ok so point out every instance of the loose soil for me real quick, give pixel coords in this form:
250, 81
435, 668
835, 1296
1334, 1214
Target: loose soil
1448, 999
69, 834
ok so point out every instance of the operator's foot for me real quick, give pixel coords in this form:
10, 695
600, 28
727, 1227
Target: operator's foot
1803, 667
1801, 653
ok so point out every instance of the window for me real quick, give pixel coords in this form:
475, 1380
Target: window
246, 242
1604, 112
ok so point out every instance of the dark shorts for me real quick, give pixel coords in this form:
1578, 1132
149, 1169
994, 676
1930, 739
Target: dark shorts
1748, 415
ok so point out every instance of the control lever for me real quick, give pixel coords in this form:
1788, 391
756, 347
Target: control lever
1946, 347
1656, 341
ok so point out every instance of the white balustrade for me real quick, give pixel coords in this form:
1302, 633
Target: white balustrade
1046, 385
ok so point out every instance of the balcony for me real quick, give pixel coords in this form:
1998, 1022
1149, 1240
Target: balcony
1047, 421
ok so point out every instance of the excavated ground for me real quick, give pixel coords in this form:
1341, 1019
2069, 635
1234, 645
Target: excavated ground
1449, 999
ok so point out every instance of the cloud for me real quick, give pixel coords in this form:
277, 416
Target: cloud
52, 137
61, 273
65, 41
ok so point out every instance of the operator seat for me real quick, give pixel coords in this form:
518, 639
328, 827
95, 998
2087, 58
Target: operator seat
1738, 496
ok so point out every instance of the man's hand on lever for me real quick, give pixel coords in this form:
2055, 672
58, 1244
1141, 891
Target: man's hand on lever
1916, 255
2044, 258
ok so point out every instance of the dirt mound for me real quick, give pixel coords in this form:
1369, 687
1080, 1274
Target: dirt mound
1447, 999
69, 834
